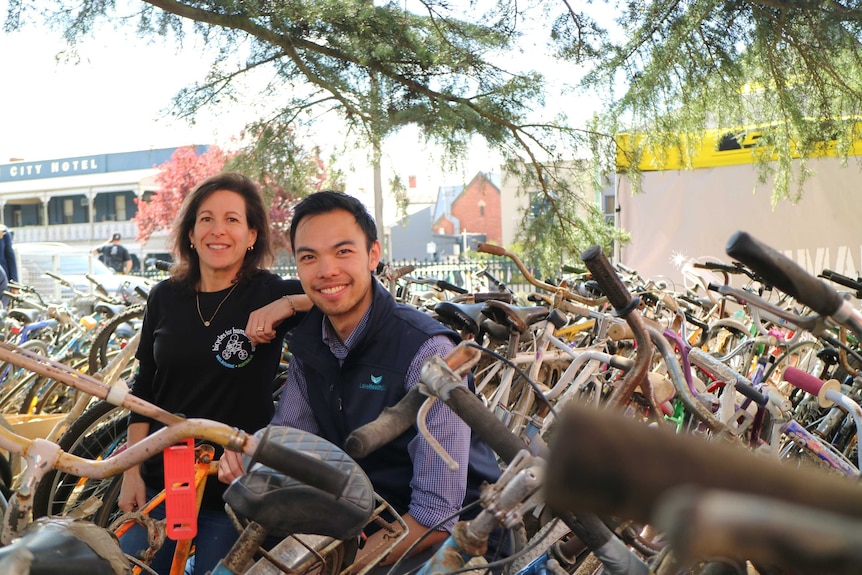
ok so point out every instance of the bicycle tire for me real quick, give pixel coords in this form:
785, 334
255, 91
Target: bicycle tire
15, 374
100, 431
110, 509
802, 355
99, 350
724, 337
12, 400
52, 396
5, 478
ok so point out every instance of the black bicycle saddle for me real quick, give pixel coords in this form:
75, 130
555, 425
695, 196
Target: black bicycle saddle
284, 506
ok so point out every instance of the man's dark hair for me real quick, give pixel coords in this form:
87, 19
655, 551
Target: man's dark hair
187, 269
329, 201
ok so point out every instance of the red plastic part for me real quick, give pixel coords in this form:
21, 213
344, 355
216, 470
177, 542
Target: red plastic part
181, 511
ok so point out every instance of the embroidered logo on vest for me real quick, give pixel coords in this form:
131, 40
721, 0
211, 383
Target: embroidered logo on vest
374, 384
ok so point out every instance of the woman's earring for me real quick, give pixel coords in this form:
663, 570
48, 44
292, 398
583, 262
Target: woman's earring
251, 247
192, 246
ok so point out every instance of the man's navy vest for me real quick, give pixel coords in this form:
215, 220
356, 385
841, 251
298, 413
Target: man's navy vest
371, 378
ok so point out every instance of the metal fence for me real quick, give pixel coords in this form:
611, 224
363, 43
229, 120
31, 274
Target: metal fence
467, 274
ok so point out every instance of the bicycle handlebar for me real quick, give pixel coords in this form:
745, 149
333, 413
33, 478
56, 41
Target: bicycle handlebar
784, 273
60, 280
709, 523
500, 251
395, 420
610, 283
303, 467
484, 423
444, 285
393, 274
811, 384
840, 279
162, 265
392, 422
647, 463
735, 268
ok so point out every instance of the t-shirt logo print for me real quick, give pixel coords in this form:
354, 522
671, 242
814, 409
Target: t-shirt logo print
233, 348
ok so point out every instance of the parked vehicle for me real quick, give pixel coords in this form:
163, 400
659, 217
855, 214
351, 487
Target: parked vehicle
73, 264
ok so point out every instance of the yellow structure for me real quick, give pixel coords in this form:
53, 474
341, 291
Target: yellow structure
714, 148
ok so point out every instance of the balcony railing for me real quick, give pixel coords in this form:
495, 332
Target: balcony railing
95, 233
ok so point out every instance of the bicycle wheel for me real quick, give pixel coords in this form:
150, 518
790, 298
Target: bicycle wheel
51, 396
801, 355
113, 336
99, 432
14, 375
13, 399
725, 340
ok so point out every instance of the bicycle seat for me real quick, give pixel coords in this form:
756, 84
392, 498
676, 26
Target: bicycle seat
83, 305
109, 309
63, 546
284, 506
466, 316
519, 318
25, 315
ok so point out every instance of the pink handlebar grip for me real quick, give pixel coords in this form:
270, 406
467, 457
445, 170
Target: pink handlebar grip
810, 384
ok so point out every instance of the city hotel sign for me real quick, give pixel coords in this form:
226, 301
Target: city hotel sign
52, 168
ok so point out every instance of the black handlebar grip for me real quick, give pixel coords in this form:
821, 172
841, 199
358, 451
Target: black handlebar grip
390, 424
484, 423
302, 467
647, 463
443, 284
841, 279
751, 393
606, 277
784, 273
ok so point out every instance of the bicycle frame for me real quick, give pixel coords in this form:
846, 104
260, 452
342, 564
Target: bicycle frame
204, 467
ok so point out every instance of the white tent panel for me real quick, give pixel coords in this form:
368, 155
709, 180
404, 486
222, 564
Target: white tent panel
682, 215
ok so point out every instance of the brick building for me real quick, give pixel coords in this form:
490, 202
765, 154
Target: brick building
474, 208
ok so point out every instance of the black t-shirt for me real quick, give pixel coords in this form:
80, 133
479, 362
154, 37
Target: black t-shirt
114, 256
210, 372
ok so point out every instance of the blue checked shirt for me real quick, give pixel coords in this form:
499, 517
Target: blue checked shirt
437, 492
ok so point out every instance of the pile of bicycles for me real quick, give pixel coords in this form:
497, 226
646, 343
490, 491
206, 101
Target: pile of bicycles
639, 428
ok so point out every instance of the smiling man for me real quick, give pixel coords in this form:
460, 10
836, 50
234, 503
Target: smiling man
358, 352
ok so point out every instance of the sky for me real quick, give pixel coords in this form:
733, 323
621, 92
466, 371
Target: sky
116, 97
117, 100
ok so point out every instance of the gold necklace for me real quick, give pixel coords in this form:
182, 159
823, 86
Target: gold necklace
198, 304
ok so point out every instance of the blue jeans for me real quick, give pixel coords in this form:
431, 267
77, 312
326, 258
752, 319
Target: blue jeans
216, 534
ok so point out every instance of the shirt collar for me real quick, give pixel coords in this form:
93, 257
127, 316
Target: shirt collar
338, 348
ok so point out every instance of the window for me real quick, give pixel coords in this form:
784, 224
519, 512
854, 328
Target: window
120, 207
68, 210
609, 207
482, 208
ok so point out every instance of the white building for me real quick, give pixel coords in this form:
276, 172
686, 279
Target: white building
81, 201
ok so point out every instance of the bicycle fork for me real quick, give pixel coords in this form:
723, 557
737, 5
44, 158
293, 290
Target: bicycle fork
504, 503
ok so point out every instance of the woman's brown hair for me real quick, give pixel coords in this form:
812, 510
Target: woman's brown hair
186, 269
